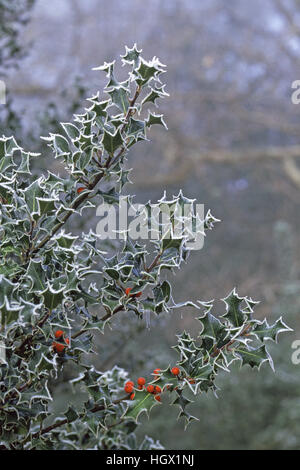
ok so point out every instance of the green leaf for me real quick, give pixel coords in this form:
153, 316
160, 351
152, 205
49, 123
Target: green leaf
234, 313
71, 130
112, 142
262, 330
52, 298
155, 119
31, 194
61, 145
37, 277
212, 327
46, 205
255, 357
143, 403
119, 97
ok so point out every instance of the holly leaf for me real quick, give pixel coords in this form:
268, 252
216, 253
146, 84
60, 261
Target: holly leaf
262, 330
254, 357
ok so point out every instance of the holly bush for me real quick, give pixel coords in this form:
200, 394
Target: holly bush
57, 290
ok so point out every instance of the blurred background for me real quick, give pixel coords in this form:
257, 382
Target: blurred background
233, 143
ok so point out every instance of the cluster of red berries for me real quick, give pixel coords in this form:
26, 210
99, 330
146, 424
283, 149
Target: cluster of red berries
127, 292
60, 347
151, 388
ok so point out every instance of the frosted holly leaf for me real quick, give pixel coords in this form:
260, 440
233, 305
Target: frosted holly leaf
65, 240
182, 402
131, 55
146, 71
234, 311
94, 324
143, 402
210, 221
24, 167
7, 289
120, 98
112, 81
36, 276
155, 119
186, 353
46, 205
10, 312
8, 146
156, 92
149, 444
31, 195
112, 142
52, 298
262, 330
212, 326
29, 311
99, 112
71, 414
106, 67
255, 357
71, 130
136, 129
123, 178
59, 144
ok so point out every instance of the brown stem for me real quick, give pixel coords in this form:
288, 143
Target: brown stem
92, 186
65, 421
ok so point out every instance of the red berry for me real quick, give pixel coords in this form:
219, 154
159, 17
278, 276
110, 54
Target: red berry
59, 333
128, 388
127, 290
58, 347
129, 382
79, 190
192, 381
140, 387
132, 396
67, 341
175, 371
150, 388
141, 381
156, 371
157, 397
157, 389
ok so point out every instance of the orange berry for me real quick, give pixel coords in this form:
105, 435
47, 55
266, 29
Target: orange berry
150, 388
157, 398
128, 388
140, 387
192, 381
79, 190
157, 389
129, 382
175, 371
59, 333
127, 290
156, 371
132, 396
67, 341
141, 381
58, 347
